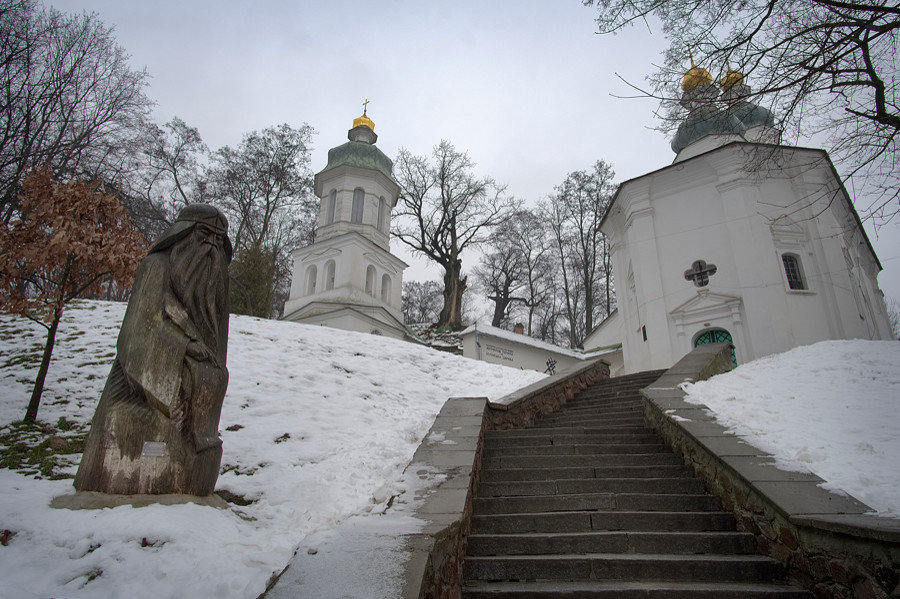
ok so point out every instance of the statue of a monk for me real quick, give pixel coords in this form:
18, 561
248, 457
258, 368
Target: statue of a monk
156, 428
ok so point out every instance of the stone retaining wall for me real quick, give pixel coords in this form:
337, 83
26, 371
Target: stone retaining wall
520, 408
827, 541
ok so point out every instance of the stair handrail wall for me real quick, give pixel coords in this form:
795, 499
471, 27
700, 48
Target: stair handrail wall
828, 542
434, 567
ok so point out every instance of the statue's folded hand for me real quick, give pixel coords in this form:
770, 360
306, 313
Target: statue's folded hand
198, 351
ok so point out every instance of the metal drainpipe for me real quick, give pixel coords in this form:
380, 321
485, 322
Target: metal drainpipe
477, 343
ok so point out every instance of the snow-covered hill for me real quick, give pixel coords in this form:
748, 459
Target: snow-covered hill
317, 426
831, 408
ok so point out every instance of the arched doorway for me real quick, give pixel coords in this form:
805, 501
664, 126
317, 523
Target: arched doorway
716, 336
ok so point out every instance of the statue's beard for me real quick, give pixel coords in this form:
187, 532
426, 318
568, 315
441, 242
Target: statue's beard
199, 280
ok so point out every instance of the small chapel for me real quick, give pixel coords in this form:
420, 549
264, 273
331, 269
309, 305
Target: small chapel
740, 239
348, 278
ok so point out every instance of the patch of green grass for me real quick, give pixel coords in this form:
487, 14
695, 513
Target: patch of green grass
41, 450
29, 357
239, 471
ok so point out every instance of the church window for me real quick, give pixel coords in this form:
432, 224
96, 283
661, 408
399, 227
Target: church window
311, 280
793, 271
386, 289
356, 214
370, 280
329, 216
381, 212
329, 275
716, 336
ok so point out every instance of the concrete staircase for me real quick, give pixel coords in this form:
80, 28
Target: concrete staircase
589, 503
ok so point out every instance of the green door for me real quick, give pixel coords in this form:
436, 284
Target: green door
716, 336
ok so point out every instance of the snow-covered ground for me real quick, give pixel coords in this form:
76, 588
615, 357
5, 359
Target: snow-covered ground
317, 426
832, 408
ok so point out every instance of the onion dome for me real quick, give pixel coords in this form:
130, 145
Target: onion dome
731, 79
703, 122
696, 76
363, 121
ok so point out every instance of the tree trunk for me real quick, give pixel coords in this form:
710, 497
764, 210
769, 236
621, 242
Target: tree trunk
501, 303
454, 286
35, 402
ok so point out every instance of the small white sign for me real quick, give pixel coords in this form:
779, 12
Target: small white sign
154, 449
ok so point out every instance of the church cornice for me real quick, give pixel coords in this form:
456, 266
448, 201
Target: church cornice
323, 177
352, 237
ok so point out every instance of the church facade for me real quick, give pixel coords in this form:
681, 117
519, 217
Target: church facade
348, 278
741, 239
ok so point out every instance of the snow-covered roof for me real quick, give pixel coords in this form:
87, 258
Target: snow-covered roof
485, 329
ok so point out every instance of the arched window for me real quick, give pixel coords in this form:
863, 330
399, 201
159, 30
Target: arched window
716, 336
311, 280
793, 270
329, 275
329, 217
386, 289
382, 210
370, 280
356, 214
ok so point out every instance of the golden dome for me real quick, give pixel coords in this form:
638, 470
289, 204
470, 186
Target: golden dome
731, 79
364, 121
696, 76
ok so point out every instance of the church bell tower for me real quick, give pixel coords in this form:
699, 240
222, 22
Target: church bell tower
348, 278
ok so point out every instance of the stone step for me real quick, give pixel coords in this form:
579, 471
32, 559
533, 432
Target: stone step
563, 461
630, 567
591, 422
500, 474
644, 502
544, 543
587, 520
579, 430
514, 440
606, 406
658, 486
583, 449
597, 406
592, 412
621, 392
577, 418
596, 589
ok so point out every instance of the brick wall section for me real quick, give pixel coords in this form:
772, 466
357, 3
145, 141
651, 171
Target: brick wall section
435, 569
828, 544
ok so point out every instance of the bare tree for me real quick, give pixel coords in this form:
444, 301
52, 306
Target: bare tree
515, 273
500, 274
420, 301
825, 67
265, 188
68, 99
444, 210
574, 214
170, 172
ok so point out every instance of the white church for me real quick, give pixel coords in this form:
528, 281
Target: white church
348, 278
740, 239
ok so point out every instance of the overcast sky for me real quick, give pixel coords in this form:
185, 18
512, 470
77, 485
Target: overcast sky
524, 86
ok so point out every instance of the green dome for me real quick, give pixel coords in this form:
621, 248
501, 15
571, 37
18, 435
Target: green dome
753, 115
360, 155
703, 122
